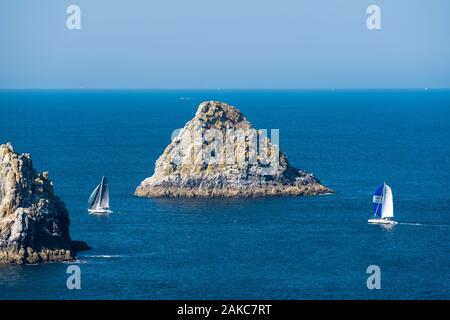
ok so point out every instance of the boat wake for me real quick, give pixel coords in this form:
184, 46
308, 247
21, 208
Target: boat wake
423, 225
106, 256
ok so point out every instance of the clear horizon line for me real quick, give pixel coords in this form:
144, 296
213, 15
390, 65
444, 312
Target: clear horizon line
224, 89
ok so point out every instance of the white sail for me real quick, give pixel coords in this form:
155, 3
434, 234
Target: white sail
93, 197
99, 200
388, 203
104, 203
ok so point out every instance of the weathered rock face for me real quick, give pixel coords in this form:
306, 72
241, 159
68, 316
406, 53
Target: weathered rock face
34, 222
219, 154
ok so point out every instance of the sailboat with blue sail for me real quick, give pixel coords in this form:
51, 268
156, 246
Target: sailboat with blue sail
383, 206
99, 199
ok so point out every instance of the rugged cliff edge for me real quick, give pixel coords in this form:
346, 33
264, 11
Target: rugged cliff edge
219, 154
34, 222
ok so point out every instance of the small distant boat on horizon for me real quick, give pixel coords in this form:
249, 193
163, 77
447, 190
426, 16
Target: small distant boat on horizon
383, 206
99, 199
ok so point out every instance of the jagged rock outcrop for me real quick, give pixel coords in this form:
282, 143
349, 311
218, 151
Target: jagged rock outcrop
34, 222
219, 154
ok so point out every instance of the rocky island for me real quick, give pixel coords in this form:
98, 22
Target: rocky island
219, 154
34, 222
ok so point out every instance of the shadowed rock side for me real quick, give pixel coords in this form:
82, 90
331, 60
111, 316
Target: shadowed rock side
34, 222
181, 171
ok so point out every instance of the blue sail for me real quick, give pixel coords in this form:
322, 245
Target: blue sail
378, 201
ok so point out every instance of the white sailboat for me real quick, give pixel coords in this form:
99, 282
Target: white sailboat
99, 199
383, 206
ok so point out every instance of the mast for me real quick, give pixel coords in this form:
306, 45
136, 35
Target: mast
100, 194
104, 201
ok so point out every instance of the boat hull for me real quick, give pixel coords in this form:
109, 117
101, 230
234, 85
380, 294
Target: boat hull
381, 221
99, 211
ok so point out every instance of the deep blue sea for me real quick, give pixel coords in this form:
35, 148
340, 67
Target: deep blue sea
274, 248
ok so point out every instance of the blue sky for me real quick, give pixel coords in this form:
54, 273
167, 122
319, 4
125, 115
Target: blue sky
208, 44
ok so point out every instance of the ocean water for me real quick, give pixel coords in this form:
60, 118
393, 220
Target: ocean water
274, 248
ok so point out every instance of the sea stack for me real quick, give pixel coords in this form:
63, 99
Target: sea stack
34, 222
219, 154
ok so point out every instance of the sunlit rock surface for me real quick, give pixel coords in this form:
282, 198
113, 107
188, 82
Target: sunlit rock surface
193, 165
